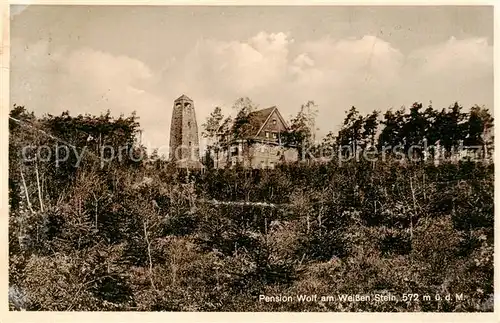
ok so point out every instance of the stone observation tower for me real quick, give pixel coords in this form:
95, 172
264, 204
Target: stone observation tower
184, 141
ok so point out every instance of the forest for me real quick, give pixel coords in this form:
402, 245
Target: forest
139, 234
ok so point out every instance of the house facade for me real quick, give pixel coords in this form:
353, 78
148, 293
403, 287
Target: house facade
262, 148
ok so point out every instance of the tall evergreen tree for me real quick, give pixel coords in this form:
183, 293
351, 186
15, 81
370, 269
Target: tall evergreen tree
301, 132
210, 129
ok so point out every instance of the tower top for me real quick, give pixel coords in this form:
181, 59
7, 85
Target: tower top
183, 98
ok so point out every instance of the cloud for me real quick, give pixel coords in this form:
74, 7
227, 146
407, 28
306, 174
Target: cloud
456, 70
347, 66
236, 67
48, 80
100, 78
472, 56
366, 72
270, 68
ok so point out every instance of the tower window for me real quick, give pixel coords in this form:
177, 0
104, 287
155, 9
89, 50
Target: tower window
234, 151
190, 144
189, 123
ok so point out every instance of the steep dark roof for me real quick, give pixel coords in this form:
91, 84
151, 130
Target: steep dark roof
257, 119
183, 97
261, 115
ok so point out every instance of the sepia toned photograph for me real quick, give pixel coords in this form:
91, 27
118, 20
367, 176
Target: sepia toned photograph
218, 158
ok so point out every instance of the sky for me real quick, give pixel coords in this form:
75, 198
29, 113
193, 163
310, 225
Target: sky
88, 59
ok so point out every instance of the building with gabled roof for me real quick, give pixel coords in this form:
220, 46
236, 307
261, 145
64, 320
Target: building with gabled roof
261, 147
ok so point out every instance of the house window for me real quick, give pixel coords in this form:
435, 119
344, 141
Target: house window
274, 122
233, 162
267, 134
275, 135
261, 164
189, 123
262, 149
190, 144
234, 151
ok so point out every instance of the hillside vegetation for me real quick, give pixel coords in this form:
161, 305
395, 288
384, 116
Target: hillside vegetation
141, 235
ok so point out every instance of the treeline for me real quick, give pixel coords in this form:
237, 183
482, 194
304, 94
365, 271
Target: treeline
51, 150
447, 128
444, 129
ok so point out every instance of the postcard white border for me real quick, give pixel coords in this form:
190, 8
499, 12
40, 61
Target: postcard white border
6, 316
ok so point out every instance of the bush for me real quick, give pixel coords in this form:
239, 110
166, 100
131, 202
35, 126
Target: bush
155, 240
